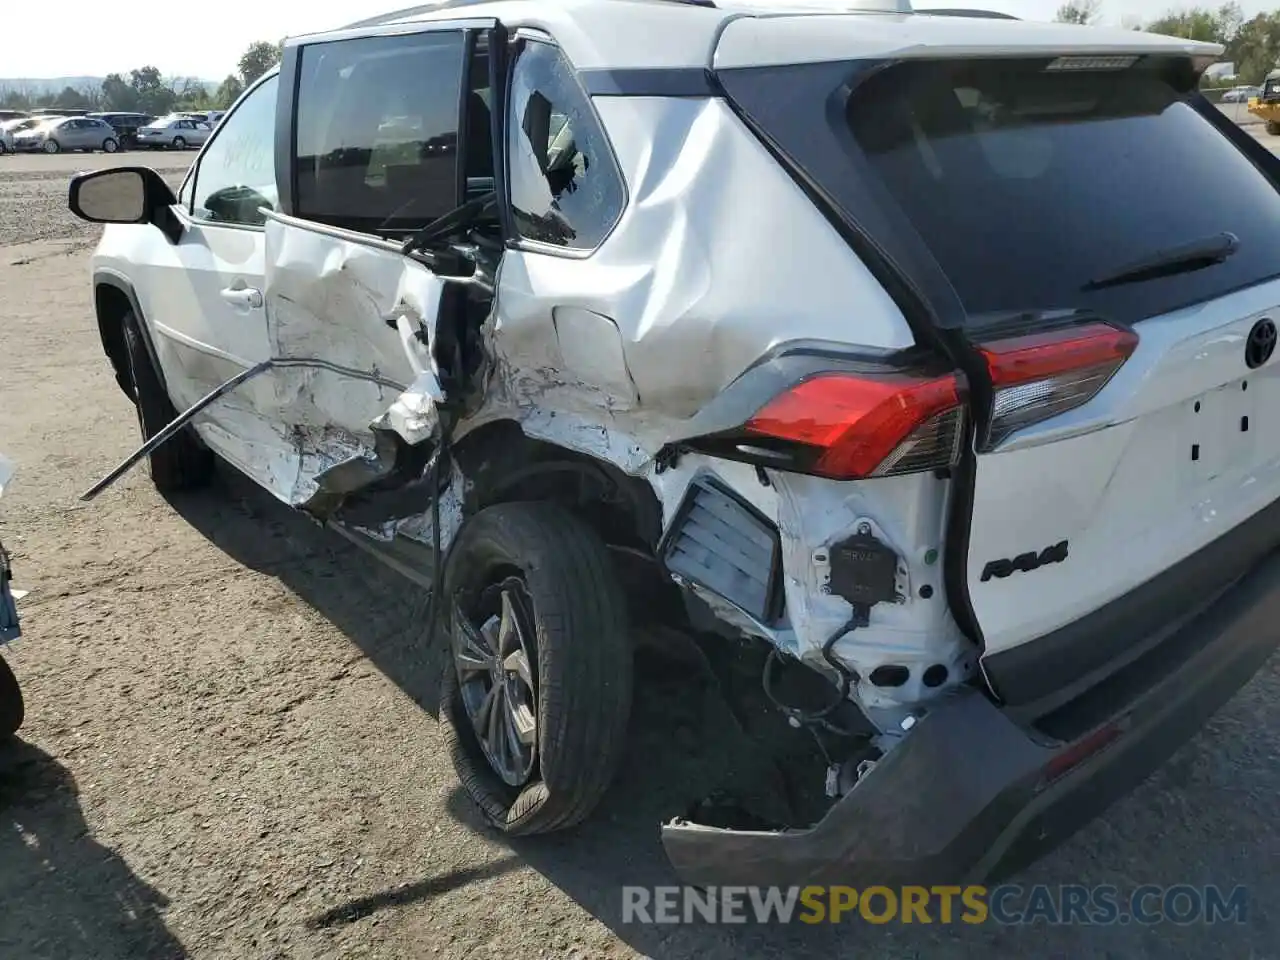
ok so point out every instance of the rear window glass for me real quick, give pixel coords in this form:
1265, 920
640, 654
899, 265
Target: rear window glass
1028, 185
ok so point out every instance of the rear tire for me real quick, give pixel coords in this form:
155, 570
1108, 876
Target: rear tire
52, 146
182, 462
110, 145
1273, 128
12, 709
179, 143
574, 629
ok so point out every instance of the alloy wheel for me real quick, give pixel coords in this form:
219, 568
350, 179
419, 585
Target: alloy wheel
494, 653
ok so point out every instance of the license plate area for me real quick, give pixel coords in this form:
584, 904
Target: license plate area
1229, 431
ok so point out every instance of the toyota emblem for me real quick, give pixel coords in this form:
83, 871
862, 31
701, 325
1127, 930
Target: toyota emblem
1260, 345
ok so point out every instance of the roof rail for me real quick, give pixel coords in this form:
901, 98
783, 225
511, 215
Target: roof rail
392, 15
965, 12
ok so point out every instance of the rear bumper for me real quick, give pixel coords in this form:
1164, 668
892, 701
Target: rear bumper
971, 795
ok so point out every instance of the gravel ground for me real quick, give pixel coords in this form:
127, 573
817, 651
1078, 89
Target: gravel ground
230, 750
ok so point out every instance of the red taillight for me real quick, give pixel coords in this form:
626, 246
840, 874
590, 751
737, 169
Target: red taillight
867, 426
1080, 751
1044, 374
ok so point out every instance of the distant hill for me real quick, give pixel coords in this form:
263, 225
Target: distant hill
54, 85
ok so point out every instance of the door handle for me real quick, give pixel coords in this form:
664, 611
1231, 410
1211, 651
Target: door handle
242, 297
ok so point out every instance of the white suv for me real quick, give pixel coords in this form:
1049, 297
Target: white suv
928, 357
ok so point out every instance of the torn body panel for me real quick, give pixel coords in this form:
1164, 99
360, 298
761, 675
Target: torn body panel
611, 355
360, 303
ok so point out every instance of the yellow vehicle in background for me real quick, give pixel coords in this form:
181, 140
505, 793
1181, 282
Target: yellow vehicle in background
1266, 106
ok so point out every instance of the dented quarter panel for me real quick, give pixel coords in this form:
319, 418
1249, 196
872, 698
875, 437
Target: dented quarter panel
610, 354
693, 306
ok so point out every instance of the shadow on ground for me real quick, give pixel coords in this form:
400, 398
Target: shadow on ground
63, 895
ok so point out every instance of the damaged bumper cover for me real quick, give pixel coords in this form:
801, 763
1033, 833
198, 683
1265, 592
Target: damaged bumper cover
971, 795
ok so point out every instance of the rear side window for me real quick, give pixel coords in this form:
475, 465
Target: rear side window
377, 130
1031, 185
565, 189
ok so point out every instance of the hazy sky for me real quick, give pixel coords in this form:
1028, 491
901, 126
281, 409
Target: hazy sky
50, 38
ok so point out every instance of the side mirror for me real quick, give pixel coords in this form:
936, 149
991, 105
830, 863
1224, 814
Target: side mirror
125, 195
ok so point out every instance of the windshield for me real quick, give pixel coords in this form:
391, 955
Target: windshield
1027, 185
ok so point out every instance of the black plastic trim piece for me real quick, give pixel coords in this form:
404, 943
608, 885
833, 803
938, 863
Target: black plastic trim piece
287, 129
706, 480
470, 42
649, 82
501, 56
1102, 642
955, 551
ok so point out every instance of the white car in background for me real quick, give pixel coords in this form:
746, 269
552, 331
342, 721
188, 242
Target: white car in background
174, 132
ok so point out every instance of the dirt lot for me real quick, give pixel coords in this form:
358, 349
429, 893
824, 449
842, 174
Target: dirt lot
229, 750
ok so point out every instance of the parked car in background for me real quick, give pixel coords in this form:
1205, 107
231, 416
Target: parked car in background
175, 131
126, 125
7, 115
16, 126
57, 112
1240, 94
215, 117
9, 130
68, 133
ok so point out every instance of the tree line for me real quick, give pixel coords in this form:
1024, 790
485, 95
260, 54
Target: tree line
144, 90
1252, 43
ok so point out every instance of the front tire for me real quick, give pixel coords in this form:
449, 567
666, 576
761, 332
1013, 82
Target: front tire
538, 633
1273, 128
52, 146
179, 143
110, 145
12, 709
182, 462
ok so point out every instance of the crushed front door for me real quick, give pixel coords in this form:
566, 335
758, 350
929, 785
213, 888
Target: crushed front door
351, 321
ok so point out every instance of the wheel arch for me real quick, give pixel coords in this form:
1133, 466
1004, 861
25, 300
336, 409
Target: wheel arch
113, 297
503, 464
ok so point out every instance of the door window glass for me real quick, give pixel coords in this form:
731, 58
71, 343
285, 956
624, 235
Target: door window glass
237, 175
377, 130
